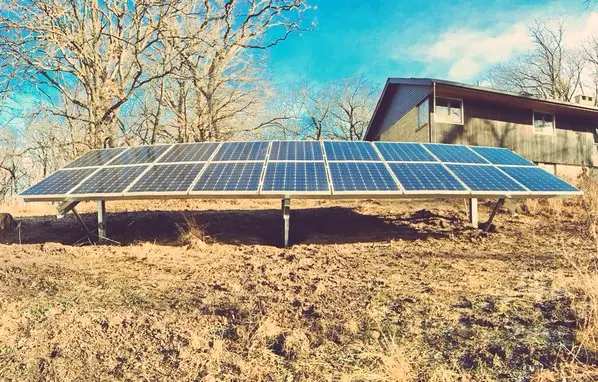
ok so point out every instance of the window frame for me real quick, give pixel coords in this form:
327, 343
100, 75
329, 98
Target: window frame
442, 120
427, 123
553, 132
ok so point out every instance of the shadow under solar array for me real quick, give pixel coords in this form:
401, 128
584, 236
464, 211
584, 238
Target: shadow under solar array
298, 168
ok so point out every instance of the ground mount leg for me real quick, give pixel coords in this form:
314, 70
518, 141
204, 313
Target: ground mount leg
101, 221
286, 216
472, 211
498, 204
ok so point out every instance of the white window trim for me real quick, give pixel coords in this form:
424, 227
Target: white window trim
427, 123
551, 134
437, 118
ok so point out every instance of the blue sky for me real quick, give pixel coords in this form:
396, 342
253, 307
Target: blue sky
456, 40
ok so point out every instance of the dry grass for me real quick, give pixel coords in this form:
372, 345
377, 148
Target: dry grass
193, 235
411, 299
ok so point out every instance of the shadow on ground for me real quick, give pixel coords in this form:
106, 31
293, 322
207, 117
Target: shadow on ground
334, 225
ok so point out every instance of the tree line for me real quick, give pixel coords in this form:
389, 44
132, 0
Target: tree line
117, 73
111, 72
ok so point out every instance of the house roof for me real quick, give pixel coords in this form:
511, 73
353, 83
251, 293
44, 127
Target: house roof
488, 94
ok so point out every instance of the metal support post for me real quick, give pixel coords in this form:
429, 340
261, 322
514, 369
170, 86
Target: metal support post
63, 208
286, 216
74, 211
101, 221
499, 204
472, 207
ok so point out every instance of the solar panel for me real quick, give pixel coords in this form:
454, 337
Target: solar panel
309, 150
425, 177
536, 179
361, 176
190, 152
404, 152
230, 177
168, 178
109, 180
352, 151
484, 178
499, 155
238, 151
96, 158
295, 176
454, 153
288, 168
139, 155
60, 182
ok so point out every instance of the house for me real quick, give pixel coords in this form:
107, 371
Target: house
559, 136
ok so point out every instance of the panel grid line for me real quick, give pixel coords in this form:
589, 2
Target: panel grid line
199, 174
392, 174
148, 169
447, 169
263, 175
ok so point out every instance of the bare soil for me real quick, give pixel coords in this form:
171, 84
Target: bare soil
370, 290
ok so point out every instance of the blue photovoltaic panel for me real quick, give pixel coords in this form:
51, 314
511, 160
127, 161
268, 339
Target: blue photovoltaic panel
454, 153
168, 178
110, 180
484, 178
96, 158
139, 155
230, 177
361, 176
425, 177
309, 150
295, 176
536, 179
60, 182
240, 151
499, 155
192, 152
404, 152
353, 151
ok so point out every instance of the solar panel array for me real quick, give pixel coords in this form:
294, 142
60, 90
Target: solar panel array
295, 169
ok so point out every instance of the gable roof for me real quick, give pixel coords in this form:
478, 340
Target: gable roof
489, 94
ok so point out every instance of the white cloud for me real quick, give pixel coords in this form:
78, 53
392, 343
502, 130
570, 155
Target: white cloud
464, 53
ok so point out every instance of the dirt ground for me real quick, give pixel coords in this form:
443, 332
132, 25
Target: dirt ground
370, 290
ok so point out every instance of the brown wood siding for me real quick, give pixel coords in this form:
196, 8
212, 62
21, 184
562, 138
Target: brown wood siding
488, 124
399, 100
405, 130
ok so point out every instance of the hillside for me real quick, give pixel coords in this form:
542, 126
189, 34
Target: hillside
372, 290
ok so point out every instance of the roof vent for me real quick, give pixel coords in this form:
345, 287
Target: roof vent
584, 100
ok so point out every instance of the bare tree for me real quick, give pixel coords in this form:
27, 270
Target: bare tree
353, 104
551, 70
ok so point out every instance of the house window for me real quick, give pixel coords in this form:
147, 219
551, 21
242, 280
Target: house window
544, 123
423, 114
449, 110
